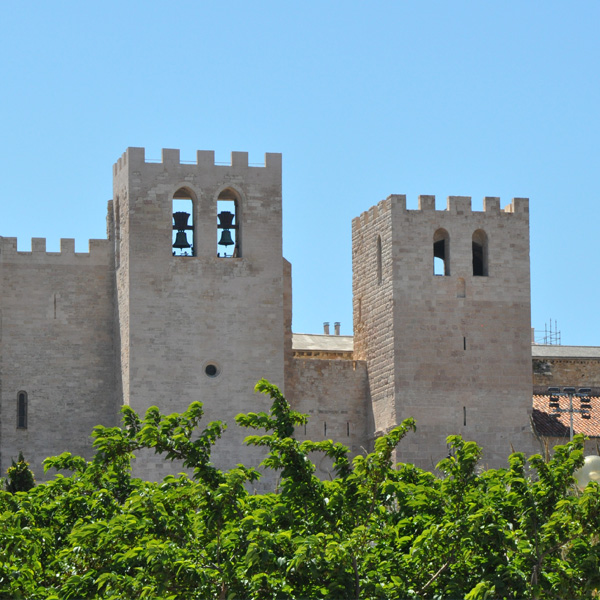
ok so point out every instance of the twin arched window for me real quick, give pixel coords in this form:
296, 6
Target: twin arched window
441, 253
185, 233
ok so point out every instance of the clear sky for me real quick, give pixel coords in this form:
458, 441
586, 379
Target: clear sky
364, 99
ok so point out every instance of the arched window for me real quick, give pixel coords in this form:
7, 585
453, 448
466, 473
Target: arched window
379, 273
22, 410
229, 234
441, 252
480, 253
183, 223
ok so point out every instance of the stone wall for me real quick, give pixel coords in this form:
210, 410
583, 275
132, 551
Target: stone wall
576, 372
57, 346
334, 394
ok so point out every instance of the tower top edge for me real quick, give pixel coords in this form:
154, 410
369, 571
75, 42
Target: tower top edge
456, 205
136, 157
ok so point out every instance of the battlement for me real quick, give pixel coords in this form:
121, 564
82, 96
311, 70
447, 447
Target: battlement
98, 251
135, 158
456, 205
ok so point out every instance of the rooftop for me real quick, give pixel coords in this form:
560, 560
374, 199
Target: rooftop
555, 351
552, 424
312, 342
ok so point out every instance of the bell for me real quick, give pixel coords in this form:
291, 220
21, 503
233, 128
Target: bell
225, 238
181, 240
181, 220
225, 219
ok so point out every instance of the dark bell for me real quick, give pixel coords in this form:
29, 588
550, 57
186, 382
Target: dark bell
225, 219
225, 238
181, 240
181, 220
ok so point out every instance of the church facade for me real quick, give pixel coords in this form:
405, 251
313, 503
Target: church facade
189, 299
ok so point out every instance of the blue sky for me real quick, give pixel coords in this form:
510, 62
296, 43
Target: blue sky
363, 99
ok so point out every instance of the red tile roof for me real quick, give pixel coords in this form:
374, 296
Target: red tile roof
556, 424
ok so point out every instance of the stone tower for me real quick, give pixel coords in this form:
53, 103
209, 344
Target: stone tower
442, 317
201, 322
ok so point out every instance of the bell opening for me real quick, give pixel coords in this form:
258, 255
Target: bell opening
228, 229
182, 224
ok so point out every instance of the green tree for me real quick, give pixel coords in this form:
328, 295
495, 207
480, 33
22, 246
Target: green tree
375, 530
19, 476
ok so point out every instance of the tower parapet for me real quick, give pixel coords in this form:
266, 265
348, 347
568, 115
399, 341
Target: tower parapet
98, 253
454, 205
135, 158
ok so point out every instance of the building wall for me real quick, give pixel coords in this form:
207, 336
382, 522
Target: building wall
334, 394
57, 345
577, 372
373, 303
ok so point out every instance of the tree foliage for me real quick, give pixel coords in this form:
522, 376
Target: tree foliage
375, 530
19, 476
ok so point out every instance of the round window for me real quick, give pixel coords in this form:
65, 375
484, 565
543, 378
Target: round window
211, 370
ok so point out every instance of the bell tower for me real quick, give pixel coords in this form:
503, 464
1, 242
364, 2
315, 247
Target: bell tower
442, 317
199, 285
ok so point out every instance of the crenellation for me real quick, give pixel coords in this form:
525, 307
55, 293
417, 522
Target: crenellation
67, 245
239, 159
8, 245
273, 161
38, 245
426, 203
170, 157
491, 205
397, 202
205, 158
98, 251
459, 205
520, 205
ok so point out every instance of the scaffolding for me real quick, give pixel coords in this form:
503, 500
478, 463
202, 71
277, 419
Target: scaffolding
549, 337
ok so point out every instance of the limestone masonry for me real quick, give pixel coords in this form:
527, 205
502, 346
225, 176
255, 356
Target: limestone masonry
189, 299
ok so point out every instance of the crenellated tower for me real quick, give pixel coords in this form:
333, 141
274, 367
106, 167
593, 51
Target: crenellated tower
442, 317
200, 298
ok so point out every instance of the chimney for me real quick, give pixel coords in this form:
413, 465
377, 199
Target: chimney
336, 327
326, 328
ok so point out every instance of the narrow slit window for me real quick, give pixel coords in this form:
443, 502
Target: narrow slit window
441, 252
228, 225
22, 410
183, 224
480, 253
379, 273
117, 218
